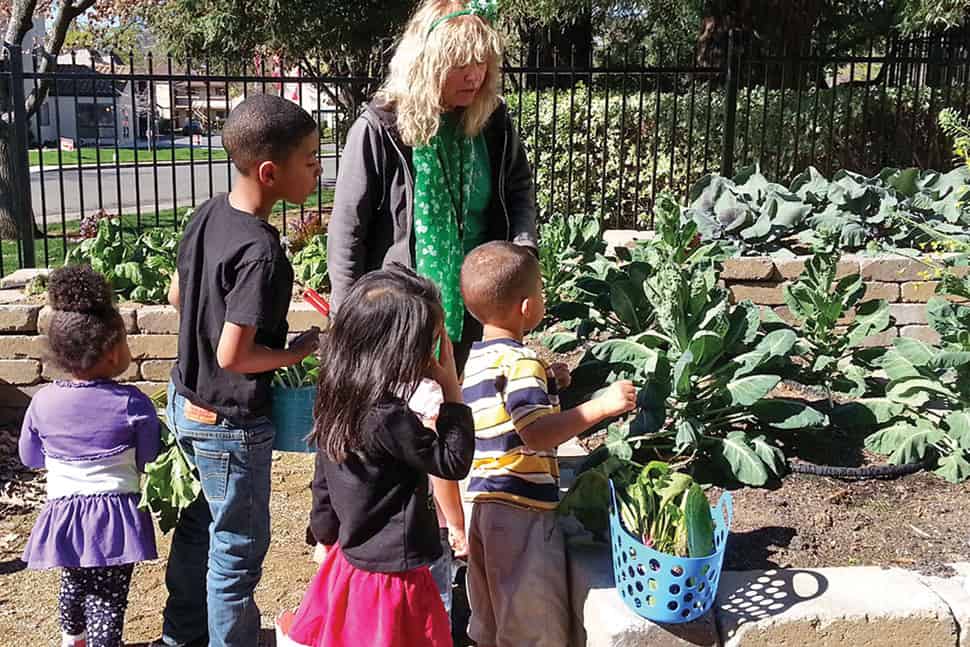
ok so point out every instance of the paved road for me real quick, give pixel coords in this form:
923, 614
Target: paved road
56, 191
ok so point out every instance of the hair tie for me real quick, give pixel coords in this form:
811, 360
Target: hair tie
487, 10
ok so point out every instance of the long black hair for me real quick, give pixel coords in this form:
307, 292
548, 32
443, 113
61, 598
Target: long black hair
381, 340
85, 324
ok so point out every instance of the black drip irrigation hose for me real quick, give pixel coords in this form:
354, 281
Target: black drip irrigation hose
857, 473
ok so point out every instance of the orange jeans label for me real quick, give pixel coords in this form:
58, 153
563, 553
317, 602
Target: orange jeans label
198, 414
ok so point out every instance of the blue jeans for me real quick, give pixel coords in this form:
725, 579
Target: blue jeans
219, 544
443, 572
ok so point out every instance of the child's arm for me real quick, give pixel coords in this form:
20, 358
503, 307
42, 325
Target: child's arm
173, 291
533, 413
30, 446
324, 523
448, 499
550, 431
238, 352
146, 426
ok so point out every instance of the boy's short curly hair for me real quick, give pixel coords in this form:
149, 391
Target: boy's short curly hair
85, 323
263, 128
497, 276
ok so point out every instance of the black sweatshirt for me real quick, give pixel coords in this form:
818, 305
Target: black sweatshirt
375, 504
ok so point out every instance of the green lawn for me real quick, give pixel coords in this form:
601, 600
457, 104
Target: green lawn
53, 158
56, 248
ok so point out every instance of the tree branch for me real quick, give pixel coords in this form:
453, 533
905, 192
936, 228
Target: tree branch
21, 20
67, 12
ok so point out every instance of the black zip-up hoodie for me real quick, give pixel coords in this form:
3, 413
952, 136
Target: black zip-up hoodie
375, 504
373, 212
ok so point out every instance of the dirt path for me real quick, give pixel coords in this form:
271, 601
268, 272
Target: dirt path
28, 599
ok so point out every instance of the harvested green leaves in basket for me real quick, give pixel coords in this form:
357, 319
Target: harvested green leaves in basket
299, 375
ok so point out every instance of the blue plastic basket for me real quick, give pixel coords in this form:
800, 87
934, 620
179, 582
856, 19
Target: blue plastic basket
662, 587
293, 417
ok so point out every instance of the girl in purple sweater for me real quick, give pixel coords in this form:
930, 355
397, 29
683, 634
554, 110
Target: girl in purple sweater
94, 437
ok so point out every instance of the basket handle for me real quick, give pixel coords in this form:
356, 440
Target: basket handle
724, 509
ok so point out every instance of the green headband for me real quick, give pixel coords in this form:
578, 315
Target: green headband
487, 10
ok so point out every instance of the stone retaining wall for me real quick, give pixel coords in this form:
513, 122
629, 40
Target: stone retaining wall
152, 330
905, 283
152, 337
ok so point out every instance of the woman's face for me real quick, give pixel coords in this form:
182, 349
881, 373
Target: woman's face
462, 85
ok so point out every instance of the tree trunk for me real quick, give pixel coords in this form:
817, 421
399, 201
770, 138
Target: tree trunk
8, 223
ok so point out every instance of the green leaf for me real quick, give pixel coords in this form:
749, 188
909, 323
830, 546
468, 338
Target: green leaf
698, 522
561, 342
622, 297
914, 351
954, 467
788, 414
622, 351
616, 442
872, 317
866, 413
748, 390
683, 371
769, 454
777, 343
589, 501
688, 434
958, 428
744, 463
917, 391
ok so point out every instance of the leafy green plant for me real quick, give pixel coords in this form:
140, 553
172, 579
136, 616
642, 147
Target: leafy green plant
761, 217
833, 356
755, 215
567, 243
171, 483
306, 373
310, 264
138, 266
925, 415
705, 368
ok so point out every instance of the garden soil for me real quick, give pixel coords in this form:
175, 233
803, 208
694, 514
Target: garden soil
918, 522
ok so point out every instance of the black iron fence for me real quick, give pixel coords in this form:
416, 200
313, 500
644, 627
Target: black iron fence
605, 135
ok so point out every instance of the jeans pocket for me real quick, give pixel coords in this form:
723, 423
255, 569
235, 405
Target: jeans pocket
213, 473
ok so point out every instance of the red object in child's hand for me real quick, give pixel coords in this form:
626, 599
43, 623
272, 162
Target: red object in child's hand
314, 299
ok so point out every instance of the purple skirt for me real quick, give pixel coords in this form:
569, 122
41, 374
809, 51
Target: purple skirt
86, 531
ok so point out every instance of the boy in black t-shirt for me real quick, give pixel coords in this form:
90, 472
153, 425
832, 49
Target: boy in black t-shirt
232, 288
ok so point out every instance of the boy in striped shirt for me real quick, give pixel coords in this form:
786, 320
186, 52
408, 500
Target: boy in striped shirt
516, 554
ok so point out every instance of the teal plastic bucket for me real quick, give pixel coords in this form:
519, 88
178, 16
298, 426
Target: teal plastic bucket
293, 418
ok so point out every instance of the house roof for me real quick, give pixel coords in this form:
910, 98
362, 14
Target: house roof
86, 85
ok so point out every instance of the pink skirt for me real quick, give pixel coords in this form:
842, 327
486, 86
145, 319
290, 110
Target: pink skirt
348, 607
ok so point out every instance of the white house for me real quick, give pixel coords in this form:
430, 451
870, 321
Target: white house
87, 110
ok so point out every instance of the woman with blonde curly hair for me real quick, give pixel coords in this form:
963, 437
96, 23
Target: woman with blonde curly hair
433, 167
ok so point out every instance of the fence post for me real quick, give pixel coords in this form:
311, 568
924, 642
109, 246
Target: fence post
730, 107
19, 158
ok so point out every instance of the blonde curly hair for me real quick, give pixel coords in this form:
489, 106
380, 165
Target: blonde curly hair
421, 63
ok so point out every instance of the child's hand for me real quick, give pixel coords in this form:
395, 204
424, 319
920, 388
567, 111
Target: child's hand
458, 541
306, 343
444, 372
620, 398
563, 377
320, 553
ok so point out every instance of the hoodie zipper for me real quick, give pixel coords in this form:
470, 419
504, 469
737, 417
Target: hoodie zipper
410, 200
501, 182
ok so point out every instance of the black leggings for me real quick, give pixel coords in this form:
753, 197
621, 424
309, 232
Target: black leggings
95, 599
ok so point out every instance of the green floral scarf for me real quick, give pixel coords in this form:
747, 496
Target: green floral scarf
443, 181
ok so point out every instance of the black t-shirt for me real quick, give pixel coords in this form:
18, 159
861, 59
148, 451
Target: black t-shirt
231, 268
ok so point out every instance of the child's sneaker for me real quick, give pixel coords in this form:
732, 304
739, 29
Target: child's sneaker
80, 640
